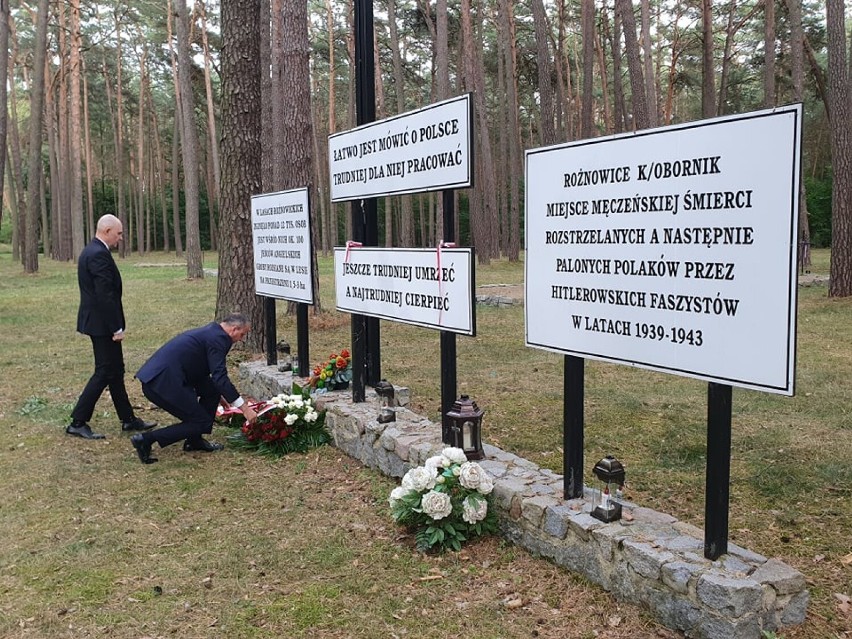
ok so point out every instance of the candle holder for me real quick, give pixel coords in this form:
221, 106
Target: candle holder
466, 427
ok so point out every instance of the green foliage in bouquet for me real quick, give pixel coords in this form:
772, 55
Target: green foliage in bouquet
284, 424
335, 373
446, 502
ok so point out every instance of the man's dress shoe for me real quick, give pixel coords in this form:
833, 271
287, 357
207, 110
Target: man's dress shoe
143, 448
202, 445
137, 423
82, 429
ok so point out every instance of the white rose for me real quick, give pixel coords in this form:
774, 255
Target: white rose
486, 484
474, 510
471, 475
420, 478
395, 495
436, 462
291, 419
436, 505
455, 455
311, 416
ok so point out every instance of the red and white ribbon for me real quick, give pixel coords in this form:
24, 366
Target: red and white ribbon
441, 244
349, 246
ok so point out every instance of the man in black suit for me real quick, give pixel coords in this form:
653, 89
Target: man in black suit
101, 317
188, 377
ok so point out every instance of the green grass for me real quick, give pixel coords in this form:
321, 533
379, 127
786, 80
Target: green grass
94, 544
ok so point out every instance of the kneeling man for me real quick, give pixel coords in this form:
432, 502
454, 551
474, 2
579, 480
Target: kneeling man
188, 377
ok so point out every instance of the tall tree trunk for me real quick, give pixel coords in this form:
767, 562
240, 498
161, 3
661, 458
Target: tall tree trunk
77, 225
189, 146
298, 124
648, 56
769, 53
545, 83
614, 38
329, 238
840, 98
406, 230
515, 145
213, 139
87, 127
634, 64
36, 115
588, 37
141, 186
483, 201
4, 74
241, 163
176, 181
726, 58
119, 131
15, 159
797, 54
559, 55
708, 75
267, 151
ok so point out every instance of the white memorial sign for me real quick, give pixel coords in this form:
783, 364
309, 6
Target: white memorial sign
672, 249
281, 236
414, 286
429, 149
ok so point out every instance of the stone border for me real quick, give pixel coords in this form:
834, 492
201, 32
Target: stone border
649, 558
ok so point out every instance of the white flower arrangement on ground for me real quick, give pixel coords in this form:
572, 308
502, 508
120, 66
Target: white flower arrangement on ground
446, 501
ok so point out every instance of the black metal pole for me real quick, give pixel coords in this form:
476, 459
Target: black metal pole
365, 111
271, 330
302, 340
718, 479
572, 433
449, 370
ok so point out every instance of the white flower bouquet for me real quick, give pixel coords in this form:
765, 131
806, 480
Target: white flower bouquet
446, 501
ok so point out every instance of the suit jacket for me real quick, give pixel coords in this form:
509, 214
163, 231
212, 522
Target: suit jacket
188, 359
100, 313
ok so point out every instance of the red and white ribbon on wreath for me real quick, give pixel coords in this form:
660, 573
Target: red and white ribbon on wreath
350, 245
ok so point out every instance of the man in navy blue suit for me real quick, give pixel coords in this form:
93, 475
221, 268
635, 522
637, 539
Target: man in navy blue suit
188, 377
101, 317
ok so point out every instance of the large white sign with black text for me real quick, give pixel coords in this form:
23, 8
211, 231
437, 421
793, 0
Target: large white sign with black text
672, 249
426, 287
281, 234
429, 149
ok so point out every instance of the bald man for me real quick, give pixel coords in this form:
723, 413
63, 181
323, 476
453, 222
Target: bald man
101, 317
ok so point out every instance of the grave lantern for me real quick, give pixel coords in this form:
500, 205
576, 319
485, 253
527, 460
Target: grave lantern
610, 472
466, 427
285, 360
384, 389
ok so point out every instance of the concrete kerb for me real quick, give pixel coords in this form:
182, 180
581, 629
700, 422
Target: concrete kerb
651, 559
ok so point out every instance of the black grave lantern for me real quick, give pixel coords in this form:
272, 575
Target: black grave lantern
610, 472
466, 427
285, 360
384, 389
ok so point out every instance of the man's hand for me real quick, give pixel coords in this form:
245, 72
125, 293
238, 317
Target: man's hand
117, 337
248, 412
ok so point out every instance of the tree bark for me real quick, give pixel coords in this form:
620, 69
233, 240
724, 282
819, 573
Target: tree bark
588, 38
769, 53
708, 82
648, 56
77, 225
634, 64
840, 98
545, 83
36, 115
189, 146
241, 163
406, 227
4, 73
